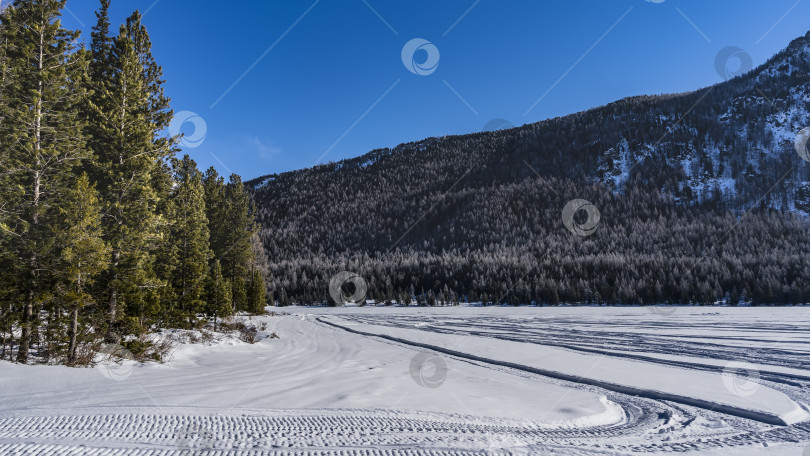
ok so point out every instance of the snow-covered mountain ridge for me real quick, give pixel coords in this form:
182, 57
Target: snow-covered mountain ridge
729, 142
699, 194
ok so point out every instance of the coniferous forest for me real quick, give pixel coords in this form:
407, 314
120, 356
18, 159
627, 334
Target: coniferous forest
703, 199
108, 233
105, 232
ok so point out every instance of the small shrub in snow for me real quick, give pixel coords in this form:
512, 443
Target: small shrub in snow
248, 334
145, 348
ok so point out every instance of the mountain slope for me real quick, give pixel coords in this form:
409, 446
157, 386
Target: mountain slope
674, 178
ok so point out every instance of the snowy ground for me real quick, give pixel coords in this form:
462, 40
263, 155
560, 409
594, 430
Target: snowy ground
567, 381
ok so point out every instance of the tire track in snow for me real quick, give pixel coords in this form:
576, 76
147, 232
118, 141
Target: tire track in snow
334, 432
623, 389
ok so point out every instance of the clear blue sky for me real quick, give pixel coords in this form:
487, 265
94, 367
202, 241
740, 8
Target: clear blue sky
325, 66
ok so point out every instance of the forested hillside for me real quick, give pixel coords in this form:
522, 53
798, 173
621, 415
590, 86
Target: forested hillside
105, 234
703, 197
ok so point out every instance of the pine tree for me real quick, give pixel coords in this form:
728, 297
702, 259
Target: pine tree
42, 132
6, 196
257, 293
130, 114
5, 76
218, 294
214, 186
239, 293
233, 234
238, 228
95, 110
84, 254
101, 45
189, 238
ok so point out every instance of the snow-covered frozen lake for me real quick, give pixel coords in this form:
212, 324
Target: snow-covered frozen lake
459, 380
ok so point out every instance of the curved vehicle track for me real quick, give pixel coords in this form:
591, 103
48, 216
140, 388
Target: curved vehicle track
353, 432
649, 417
252, 422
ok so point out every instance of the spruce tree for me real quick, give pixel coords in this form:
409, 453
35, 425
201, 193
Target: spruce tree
239, 293
218, 294
214, 186
42, 135
234, 239
257, 293
99, 81
130, 114
6, 186
7, 192
101, 45
189, 238
238, 228
5, 77
84, 254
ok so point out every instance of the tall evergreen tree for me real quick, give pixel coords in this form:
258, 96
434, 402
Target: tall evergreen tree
257, 293
5, 70
101, 44
214, 186
84, 254
233, 235
238, 227
189, 238
42, 132
131, 114
99, 82
7, 191
5, 82
218, 294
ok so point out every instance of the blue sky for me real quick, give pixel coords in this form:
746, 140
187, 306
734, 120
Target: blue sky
318, 81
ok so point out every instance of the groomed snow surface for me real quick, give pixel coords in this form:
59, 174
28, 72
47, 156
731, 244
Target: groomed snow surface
440, 381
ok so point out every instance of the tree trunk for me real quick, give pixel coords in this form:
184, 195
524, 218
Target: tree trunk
74, 327
111, 336
25, 339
